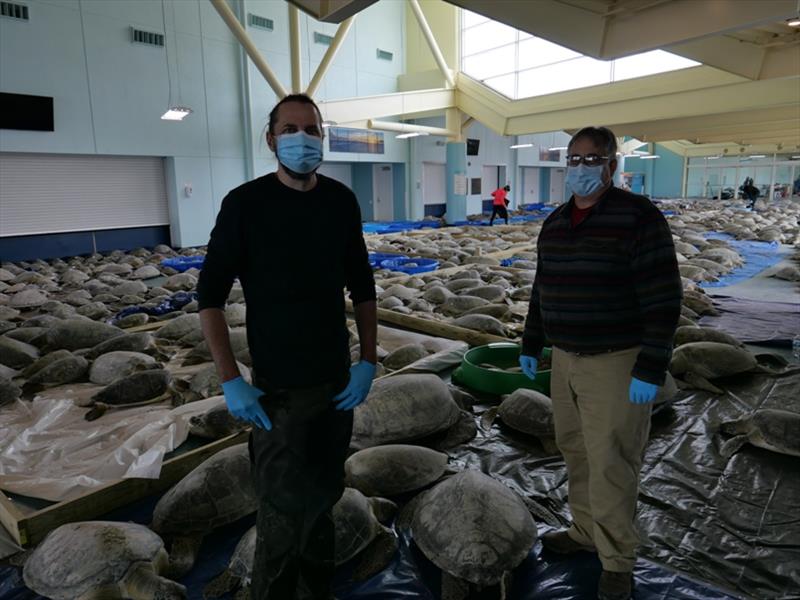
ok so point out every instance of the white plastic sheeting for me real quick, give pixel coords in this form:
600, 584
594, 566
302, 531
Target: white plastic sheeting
49, 451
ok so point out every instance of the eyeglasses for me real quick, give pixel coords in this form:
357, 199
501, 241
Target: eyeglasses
590, 160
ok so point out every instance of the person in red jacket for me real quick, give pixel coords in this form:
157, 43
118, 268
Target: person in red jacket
499, 203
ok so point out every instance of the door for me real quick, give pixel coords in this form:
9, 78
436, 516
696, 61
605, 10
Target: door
530, 185
556, 186
382, 193
434, 192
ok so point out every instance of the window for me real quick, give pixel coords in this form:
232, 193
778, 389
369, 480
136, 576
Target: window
519, 65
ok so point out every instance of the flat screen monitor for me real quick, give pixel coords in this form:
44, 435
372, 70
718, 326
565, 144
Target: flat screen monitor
472, 147
28, 113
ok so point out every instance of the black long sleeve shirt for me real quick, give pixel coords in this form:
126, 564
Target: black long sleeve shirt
293, 252
609, 283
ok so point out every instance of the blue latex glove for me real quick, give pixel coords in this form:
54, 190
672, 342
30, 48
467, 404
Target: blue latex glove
528, 364
361, 375
242, 400
642, 392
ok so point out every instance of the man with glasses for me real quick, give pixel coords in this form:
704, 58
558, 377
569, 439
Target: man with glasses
607, 296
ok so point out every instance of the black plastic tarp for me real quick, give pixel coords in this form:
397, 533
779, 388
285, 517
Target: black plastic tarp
755, 321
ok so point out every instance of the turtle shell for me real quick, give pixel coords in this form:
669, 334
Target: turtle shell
711, 359
79, 557
528, 411
356, 524
393, 469
217, 492
473, 528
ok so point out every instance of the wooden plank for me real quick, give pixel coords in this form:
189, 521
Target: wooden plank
435, 328
30, 529
10, 517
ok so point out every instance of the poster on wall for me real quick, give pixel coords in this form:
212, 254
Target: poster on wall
459, 185
546, 155
362, 141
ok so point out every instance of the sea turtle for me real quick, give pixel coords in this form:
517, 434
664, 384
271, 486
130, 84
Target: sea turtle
687, 334
216, 423
111, 366
475, 529
9, 391
144, 387
63, 370
101, 559
201, 353
140, 341
27, 299
358, 531
404, 356
74, 334
217, 492
409, 407
527, 411
697, 362
769, 428
393, 469
483, 323
457, 305
17, 354
206, 383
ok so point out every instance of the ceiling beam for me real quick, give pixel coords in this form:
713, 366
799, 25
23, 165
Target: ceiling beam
787, 136
331, 11
630, 31
741, 57
403, 105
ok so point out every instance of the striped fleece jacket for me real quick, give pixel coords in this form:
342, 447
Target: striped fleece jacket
610, 283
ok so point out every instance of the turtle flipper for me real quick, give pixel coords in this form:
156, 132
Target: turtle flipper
222, 584
97, 411
243, 593
460, 432
733, 445
182, 555
142, 583
406, 515
376, 556
454, 588
550, 446
487, 420
701, 383
383, 509
543, 513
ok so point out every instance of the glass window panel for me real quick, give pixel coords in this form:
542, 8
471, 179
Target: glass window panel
783, 181
729, 177
648, 63
471, 18
492, 62
535, 52
505, 84
486, 36
568, 75
695, 183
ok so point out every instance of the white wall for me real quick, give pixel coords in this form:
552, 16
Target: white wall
109, 93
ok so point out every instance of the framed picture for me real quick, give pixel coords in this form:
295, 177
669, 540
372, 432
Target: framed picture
360, 141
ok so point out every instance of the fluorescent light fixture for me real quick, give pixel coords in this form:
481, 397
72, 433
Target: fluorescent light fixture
630, 156
650, 157
712, 157
326, 124
556, 148
177, 113
640, 152
515, 146
795, 157
793, 22
403, 136
758, 156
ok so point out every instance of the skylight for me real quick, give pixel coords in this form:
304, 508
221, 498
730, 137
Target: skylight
519, 65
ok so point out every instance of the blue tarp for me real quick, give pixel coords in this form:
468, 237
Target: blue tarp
757, 257
396, 226
175, 302
184, 263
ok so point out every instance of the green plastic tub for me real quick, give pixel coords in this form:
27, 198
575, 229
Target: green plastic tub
502, 355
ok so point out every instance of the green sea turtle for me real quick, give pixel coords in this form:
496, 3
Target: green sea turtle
216, 423
697, 362
91, 560
140, 341
527, 411
358, 532
206, 383
138, 389
111, 366
475, 529
769, 428
687, 334
201, 353
9, 391
17, 354
217, 492
393, 469
58, 372
74, 334
404, 408
404, 356
483, 323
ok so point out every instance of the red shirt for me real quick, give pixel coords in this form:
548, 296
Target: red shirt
499, 197
579, 214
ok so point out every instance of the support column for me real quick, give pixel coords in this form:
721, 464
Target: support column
772, 179
456, 168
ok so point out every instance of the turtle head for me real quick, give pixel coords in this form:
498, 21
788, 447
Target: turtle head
736, 427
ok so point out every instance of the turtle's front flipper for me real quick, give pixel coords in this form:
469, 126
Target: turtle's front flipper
383, 509
732, 446
142, 583
454, 588
549, 445
182, 555
376, 556
544, 513
487, 420
222, 584
701, 383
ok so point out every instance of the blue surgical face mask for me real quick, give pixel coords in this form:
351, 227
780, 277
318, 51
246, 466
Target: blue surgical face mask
300, 152
583, 180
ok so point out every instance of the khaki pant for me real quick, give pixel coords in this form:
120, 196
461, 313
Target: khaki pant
602, 436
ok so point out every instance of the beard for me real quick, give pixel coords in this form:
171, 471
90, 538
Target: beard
296, 175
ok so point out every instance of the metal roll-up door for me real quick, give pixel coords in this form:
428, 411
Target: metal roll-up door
49, 193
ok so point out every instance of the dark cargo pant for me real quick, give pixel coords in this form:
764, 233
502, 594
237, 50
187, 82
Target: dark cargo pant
298, 471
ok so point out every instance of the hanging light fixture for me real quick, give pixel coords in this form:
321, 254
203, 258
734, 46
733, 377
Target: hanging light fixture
175, 112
